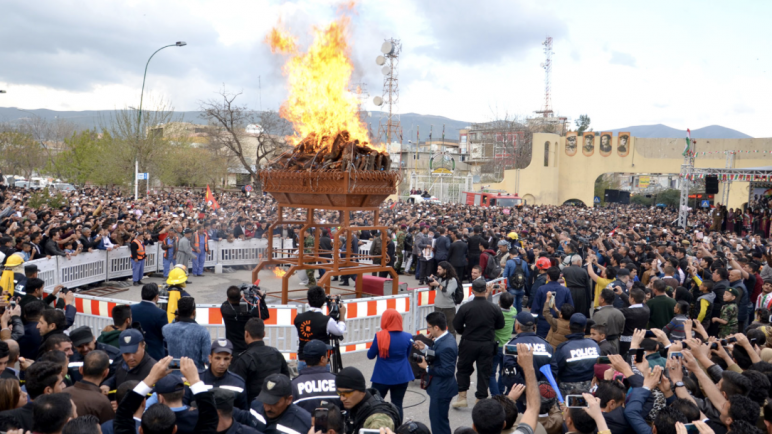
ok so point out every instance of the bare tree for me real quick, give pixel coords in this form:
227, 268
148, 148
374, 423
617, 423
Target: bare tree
227, 131
49, 135
506, 143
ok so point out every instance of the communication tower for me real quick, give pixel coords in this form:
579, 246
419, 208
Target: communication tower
389, 126
547, 65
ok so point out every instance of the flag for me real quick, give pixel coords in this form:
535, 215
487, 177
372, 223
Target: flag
611, 234
688, 147
210, 200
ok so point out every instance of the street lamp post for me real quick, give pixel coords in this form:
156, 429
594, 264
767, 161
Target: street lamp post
139, 115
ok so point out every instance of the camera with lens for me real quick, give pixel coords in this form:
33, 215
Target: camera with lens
333, 306
251, 297
417, 357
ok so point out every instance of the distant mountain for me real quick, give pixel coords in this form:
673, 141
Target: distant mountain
660, 131
410, 122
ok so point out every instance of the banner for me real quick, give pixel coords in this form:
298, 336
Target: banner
623, 144
644, 181
605, 144
571, 143
588, 144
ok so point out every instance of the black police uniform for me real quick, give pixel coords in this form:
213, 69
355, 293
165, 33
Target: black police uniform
477, 321
542, 355
314, 385
229, 381
76, 361
294, 420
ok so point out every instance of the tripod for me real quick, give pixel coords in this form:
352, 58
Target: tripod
336, 362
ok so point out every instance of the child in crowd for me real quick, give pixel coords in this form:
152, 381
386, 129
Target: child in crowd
675, 329
728, 319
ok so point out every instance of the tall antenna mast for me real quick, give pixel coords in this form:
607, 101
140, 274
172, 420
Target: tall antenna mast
547, 65
389, 125
260, 93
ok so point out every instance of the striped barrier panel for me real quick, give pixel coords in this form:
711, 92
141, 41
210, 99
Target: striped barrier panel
424, 302
363, 319
118, 263
151, 258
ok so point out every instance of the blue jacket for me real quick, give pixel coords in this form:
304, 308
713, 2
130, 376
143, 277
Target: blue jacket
443, 369
107, 427
543, 353
441, 248
152, 319
634, 410
396, 368
228, 381
186, 338
293, 418
561, 294
30, 342
511, 266
575, 359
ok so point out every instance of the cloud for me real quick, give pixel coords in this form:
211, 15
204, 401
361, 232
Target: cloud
485, 32
619, 58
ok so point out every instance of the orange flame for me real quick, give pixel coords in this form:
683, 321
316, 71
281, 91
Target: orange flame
278, 272
319, 99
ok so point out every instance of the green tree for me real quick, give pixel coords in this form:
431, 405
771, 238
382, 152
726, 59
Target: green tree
640, 199
670, 197
583, 124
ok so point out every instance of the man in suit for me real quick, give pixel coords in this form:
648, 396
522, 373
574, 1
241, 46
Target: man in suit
441, 246
457, 254
442, 379
474, 251
152, 319
580, 285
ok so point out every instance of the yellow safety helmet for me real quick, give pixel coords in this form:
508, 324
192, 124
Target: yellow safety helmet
512, 235
14, 261
177, 277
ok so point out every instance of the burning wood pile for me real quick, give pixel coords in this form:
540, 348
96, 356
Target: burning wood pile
338, 154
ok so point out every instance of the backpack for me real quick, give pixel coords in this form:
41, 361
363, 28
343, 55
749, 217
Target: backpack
517, 280
492, 268
458, 294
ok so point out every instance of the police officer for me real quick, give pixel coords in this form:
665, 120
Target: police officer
169, 391
575, 358
274, 411
315, 382
218, 376
477, 322
525, 327
308, 249
83, 342
401, 236
314, 324
30, 272
259, 360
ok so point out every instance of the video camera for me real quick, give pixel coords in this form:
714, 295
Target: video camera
333, 306
430, 356
251, 295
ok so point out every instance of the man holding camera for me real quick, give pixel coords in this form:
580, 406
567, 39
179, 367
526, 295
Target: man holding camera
314, 324
237, 310
440, 380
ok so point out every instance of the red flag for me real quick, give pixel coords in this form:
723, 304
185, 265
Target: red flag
210, 200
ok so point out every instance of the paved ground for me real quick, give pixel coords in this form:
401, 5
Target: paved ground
211, 289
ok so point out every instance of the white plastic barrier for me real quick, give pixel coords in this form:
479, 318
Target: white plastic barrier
151, 258
86, 268
118, 263
47, 272
364, 250
211, 256
246, 252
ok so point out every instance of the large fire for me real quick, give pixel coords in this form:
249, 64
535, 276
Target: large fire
322, 109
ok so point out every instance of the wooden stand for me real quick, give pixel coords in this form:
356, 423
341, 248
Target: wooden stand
340, 191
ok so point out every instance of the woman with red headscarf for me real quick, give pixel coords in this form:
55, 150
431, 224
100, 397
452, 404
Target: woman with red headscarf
392, 347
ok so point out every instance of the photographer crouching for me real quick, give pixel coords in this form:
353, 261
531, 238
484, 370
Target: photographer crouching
243, 303
314, 324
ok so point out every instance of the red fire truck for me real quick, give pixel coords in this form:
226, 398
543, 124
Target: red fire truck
487, 198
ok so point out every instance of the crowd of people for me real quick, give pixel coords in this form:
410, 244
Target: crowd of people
583, 320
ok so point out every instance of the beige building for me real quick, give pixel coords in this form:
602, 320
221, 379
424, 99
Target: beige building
554, 177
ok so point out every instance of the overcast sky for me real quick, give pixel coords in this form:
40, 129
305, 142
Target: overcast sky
683, 64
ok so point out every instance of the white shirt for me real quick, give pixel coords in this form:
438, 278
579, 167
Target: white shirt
334, 328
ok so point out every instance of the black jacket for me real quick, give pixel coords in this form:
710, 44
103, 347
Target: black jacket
478, 320
371, 404
152, 319
457, 255
52, 249
123, 373
257, 362
235, 319
312, 386
23, 415
229, 381
206, 422
294, 418
474, 247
